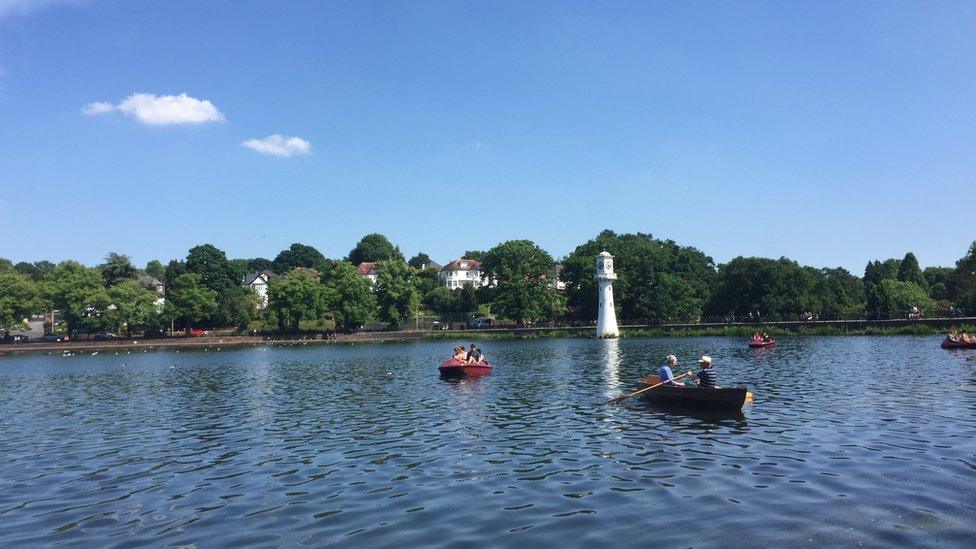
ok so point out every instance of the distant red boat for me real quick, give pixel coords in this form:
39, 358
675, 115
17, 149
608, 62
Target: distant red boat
760, 344
456, 368
946, 344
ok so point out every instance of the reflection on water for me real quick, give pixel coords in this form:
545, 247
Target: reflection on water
849, 441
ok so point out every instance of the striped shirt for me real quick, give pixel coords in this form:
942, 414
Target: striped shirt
707, 378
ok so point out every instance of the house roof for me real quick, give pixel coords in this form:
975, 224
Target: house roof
365, 268
250, 278
470, 265
149, 280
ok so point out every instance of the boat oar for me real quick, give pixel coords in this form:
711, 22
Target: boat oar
645, 389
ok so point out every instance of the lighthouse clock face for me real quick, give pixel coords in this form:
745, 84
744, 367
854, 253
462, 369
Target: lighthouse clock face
599, 265
608, 265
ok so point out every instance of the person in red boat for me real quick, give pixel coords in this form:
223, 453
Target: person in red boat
474, 356
459, 354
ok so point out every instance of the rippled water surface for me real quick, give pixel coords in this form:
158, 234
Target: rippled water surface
856, 440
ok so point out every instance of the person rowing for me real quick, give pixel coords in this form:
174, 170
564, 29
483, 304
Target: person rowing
666, 375
474, 356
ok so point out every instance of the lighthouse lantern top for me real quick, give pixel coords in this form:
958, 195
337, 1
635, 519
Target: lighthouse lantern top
604, 264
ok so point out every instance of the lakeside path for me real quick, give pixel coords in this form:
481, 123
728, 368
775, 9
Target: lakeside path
209, 342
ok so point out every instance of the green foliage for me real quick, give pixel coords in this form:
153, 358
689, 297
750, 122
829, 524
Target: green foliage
156, 270
937, 281
962, 283
35, 271
656, 279
419, 261
396, 292
295, 297
298, 255
188, 299
909, 271
222, 276
18, 299
374, 247
5, 264
876, 271
896, 298
117, 267
767, 286
426, 280
476, 255
133, 306
78, 292
524, 276
348, 296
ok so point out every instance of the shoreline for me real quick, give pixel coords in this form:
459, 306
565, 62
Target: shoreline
626, 332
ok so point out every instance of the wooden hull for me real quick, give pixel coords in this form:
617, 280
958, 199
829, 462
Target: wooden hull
761, 345
946, 344
726, 398
454, 368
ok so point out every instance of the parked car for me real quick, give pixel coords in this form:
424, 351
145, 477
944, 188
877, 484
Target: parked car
198, 333
54, 338
104, 336
479, 323
15, 338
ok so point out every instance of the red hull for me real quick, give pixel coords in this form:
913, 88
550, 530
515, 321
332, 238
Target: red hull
455, 368
946, 344
760, 345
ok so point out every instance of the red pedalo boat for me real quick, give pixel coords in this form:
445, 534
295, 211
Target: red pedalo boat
946, 344
456, 368
761, 344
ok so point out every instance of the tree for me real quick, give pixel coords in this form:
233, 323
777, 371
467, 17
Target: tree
876, 271
213, 267
648, 272
18, 299
173, 269
419, 261
348, 296
524, 275
156, 270
253, 265
426, 280
474, 255
190, 299
909, 271
299, 255
35, 271
117, 267
895, 298
78, 292
441, 300
133, 306
396, 293
773, 288
374, 247
295, 297
962, 283
5, 264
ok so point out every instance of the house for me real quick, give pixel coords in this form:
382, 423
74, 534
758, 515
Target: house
557, 269
258, 283
153, 284
461, 272
367, 271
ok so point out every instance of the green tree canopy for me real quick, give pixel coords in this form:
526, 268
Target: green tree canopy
117, 267
348, 296
419, 261
895, 298
133, 306
216, 272
299, 255
156, 270
476, 255
962, 283
524, 275
190, 300
295, 297
876, 271
374, 247
35, 271
773, 288
18, 299
396, 292
656, 279
78, 292
909, 271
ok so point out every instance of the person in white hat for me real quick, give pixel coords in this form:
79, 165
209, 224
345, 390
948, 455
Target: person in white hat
707, 378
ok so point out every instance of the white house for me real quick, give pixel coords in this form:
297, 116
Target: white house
258, 282
461, 272
557, 271
367, 271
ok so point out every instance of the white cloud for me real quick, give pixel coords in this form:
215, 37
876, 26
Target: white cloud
279, 145
161, 110
23, 7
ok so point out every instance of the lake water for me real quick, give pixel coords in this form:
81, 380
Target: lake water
850, 441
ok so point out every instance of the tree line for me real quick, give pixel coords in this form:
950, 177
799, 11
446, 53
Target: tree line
658, 281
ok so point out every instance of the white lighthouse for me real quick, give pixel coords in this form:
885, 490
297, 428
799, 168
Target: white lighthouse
606, 323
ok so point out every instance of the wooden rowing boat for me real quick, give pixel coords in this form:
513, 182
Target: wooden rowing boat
456, 368
726, 398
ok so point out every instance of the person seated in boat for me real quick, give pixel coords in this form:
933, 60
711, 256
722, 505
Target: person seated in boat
665, 374
964, 338
766, 338
459, 354
757, 337
707, 378
474, 356
952, 337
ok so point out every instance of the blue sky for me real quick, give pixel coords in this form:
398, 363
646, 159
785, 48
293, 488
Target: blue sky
832, 132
